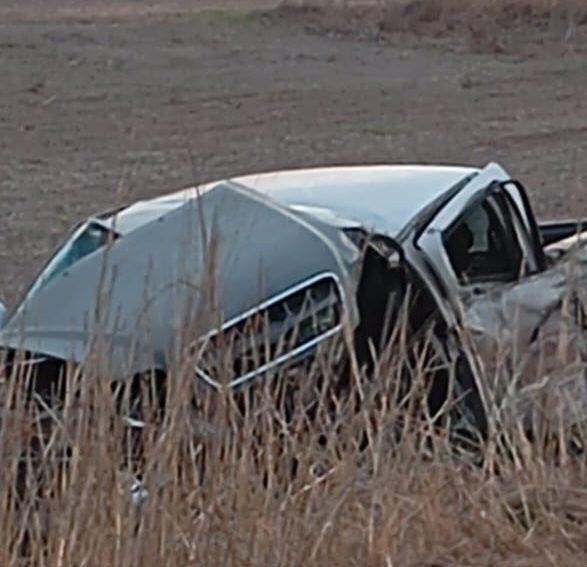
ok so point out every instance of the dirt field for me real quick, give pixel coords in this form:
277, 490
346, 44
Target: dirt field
116, 101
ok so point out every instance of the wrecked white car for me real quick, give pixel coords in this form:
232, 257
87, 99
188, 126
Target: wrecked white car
309, 253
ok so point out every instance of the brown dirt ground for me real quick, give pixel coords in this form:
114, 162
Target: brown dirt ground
121, 100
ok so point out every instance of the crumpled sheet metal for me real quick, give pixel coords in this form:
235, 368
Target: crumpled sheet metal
530, 341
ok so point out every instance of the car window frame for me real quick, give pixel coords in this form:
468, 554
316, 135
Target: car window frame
501, 207
427, 242
517, 195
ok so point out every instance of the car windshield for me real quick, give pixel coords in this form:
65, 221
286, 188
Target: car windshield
87, 238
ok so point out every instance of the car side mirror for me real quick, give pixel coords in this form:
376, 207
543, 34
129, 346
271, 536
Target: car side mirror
3, 313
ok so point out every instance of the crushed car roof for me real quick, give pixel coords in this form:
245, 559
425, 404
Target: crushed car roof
383, 198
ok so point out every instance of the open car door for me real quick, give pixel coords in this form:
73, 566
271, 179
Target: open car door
520, 318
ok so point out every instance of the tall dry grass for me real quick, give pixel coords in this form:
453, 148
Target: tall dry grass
231, 482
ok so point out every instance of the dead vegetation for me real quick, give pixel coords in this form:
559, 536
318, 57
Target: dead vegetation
486, 25
358, 485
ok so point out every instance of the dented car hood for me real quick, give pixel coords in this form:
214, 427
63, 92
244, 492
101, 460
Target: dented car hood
199, 264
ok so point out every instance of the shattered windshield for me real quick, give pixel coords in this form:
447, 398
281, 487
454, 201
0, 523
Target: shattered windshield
87, 238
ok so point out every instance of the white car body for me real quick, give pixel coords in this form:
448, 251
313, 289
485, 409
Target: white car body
273, 234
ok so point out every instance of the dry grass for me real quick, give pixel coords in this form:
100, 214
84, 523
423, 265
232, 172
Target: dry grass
487, 25
380, 503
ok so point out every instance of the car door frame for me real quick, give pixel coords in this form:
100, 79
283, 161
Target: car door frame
429, 241
425, 251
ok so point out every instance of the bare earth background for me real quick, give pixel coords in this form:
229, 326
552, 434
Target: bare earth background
106, 101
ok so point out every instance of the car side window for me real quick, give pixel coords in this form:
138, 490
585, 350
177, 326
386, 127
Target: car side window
283, 329
483, 246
